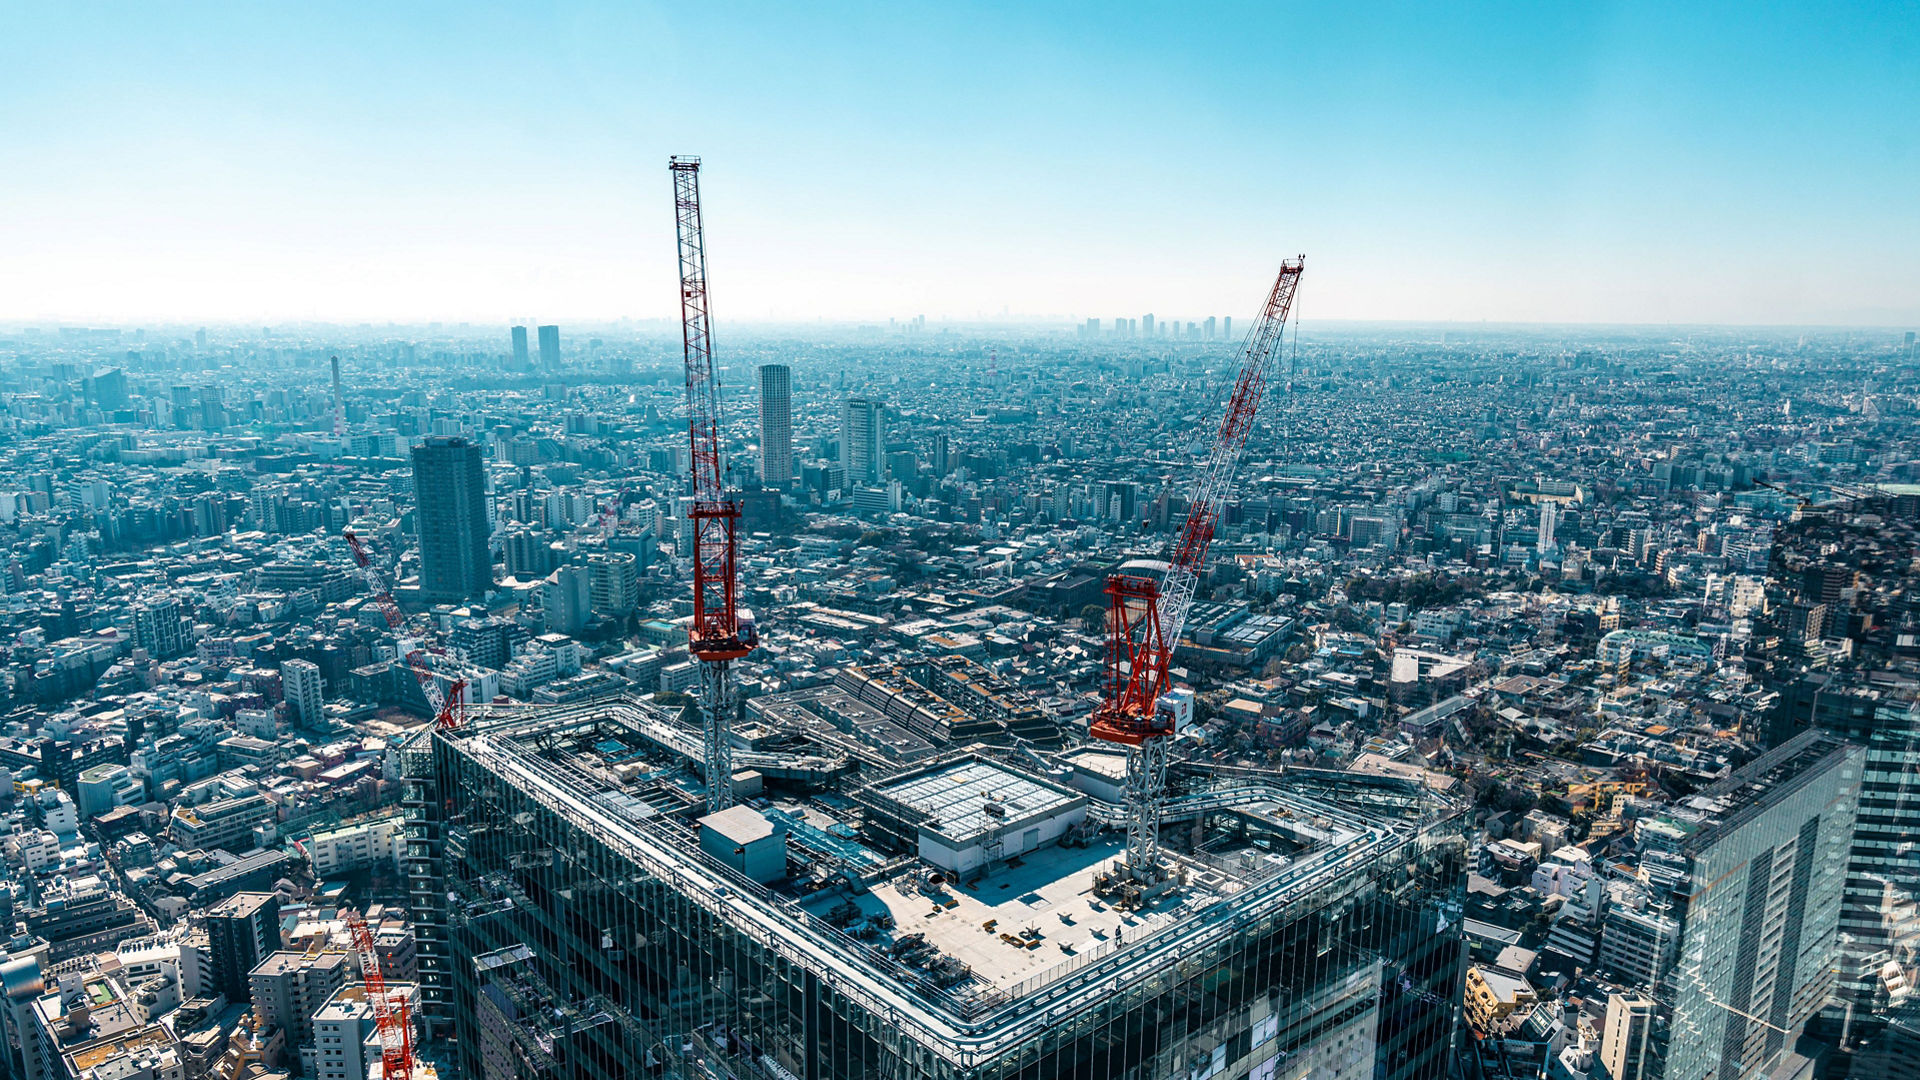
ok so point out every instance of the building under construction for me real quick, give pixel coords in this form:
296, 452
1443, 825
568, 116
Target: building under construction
582, 913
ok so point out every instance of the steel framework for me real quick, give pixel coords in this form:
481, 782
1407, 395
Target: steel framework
721, 633
389, 1010
1145, 617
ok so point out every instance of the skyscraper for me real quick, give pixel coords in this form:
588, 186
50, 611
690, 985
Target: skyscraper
520, 361
776, 425
549, 347
1759, 908
1146, 325
300, 684
860, 441
450, 512
1209, 328
1549, 517
942, 454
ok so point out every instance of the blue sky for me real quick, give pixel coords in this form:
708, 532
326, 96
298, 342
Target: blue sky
1591, 162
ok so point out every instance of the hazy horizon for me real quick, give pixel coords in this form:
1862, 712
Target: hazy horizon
1613, 164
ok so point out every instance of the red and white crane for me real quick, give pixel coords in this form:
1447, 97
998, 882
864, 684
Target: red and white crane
1145, 617
389, 1009
722, 631
448, 705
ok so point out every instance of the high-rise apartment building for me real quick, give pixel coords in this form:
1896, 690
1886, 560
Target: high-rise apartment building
300, 685
614, 582
549, 347
776, 426
1625, 1041
162, 628
289, 987
520, 358
242, 930
450, 514
1759, 908
860, 445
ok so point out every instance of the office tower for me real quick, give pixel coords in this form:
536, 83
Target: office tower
1759, 907
550, 347
200, 340
1624, 1042
213, 408
110, 390
541, 879
614, 581
1549, 516
1091, 329
860, 440
1209, 328
242, 930
450, 514
301, 687
566, 600
520, 359
942, 454
1119, 500
1146, 325
1226, 328
288, 988
776, 426
181, 400
1879, 934
162, 628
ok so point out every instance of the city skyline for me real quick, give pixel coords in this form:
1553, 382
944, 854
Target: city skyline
1613, 165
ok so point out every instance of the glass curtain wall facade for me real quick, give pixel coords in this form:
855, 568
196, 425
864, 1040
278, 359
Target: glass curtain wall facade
552, 946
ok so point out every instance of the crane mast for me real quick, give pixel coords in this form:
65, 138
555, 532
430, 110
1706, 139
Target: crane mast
448, 705
1145, 617
389, 1009
721, 632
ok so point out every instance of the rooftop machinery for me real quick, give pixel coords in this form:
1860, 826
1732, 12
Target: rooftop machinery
1145, 617
722, 631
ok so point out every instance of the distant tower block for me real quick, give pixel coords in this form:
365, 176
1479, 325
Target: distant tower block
520, 358
550, 347
776, 425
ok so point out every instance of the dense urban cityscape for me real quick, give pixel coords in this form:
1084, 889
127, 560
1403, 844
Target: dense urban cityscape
1551, 704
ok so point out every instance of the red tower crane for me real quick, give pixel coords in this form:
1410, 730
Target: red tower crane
449, 705
389, 1009
722, 632
1145, 616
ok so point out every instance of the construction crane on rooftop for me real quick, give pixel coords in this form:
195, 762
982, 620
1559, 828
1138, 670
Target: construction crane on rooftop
389, 1009
722, 631
448, 705
1146, 616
